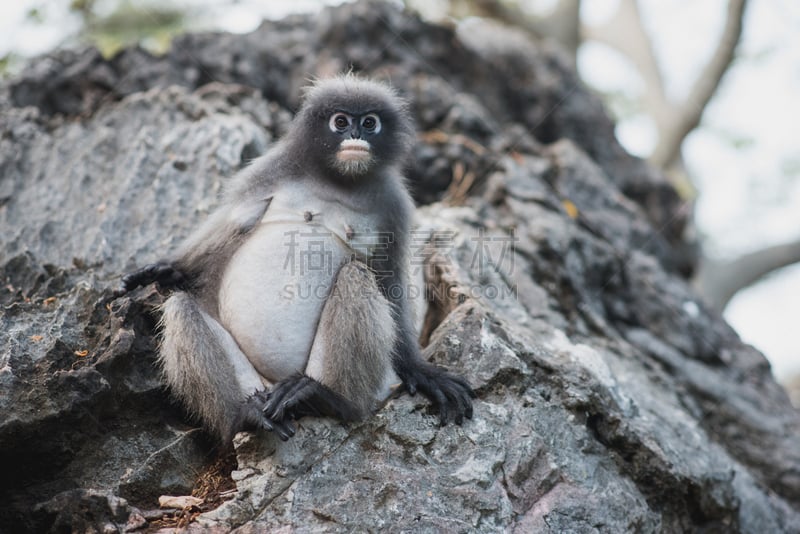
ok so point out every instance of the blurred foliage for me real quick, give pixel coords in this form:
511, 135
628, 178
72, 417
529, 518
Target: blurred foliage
5, 62
109, 25
791, 167
735, 140
622, 103
35, 14
151, 25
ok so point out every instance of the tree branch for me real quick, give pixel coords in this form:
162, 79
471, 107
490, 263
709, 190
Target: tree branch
719, 281
691, 111
625, 33
563, 24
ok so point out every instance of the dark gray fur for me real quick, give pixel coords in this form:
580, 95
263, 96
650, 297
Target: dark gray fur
361, 335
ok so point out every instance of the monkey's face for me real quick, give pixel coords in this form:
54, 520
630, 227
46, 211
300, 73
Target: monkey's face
352, 128
354, 153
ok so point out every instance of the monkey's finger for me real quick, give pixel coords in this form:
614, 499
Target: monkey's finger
284, 430
277, 406
468, 410
463, 384
458, 408
440, 401
131, 282
281, 435
267, 425
444, 415
465, 403
275, 396
283, 394
271, 426
461, 394
287, 408
442, 397
455, 401
459, 419
289, 428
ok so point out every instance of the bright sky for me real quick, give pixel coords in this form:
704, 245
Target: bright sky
749, 195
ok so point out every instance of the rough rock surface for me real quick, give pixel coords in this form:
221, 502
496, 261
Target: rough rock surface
610, 398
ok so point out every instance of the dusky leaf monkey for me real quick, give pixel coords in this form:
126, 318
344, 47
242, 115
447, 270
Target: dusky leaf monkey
292, 298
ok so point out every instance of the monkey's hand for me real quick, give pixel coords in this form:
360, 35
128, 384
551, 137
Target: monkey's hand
251, 415
301, 395
162, 273
450, 393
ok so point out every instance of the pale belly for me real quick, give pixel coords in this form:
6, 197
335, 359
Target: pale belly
273, 292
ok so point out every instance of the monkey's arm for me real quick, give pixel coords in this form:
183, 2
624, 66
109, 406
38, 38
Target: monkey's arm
451, 394
218, 237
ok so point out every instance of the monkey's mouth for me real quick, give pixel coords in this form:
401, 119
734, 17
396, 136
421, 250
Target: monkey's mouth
353, 150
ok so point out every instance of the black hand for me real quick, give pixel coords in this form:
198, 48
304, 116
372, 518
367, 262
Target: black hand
252, 415
451, 394
162, 273
301, 395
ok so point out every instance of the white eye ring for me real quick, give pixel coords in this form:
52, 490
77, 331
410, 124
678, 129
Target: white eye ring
375, 129
339, 128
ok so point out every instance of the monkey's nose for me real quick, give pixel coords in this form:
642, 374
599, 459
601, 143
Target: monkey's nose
355, 133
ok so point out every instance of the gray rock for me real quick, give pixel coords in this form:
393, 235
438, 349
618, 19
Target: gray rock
610, 399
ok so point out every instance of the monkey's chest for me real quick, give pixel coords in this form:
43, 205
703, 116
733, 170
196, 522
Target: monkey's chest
275, 286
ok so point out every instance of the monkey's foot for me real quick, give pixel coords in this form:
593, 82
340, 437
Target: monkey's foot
301, 395
162, 273
451, 394
251, 415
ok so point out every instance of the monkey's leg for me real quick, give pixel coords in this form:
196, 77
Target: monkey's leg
350, 360
210, 374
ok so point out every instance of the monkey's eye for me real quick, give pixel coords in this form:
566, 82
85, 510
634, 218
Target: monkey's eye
339, 122
371, 123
